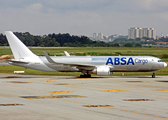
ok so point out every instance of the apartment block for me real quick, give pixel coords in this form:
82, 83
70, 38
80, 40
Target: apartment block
97, 36
134, 33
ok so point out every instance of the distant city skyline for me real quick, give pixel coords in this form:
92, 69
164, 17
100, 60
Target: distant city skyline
85, 17
106, 38
137, 32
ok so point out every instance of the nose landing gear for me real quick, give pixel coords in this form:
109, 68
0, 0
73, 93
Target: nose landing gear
153, 75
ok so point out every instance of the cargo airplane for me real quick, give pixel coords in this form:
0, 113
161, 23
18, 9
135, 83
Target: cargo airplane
100, 65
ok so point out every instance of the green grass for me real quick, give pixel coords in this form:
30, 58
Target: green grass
97, 51
109, 50
11, 69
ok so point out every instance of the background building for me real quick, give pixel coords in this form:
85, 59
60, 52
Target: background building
95, 36
134, 33
100, 36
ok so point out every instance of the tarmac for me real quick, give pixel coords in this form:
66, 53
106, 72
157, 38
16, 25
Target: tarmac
25, 97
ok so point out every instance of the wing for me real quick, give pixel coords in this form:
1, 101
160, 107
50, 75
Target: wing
79, 66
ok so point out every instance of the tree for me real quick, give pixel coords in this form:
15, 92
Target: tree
116, 45
127, 45
138, 45
52, 40
3, 40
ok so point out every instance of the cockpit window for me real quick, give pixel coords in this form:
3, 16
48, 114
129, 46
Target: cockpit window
160, 60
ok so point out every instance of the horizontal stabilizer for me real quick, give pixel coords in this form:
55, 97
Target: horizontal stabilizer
18, 61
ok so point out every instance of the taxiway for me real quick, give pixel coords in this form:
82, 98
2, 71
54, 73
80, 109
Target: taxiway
53, 97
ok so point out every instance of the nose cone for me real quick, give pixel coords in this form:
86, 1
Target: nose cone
165, 65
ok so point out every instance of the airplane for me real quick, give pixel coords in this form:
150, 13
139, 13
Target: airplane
100, 65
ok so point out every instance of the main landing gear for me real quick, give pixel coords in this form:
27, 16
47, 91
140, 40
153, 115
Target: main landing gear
153, 75
85, 74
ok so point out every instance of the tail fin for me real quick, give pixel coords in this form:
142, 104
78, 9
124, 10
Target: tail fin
19, 50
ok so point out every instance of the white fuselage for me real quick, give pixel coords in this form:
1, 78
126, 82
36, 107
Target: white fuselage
119, 63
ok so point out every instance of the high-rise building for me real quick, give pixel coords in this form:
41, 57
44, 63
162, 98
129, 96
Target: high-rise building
95, 36
153, 33
145, 32
100, 36
134, 33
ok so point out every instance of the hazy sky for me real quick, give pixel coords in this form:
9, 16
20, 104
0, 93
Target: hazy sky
83, 17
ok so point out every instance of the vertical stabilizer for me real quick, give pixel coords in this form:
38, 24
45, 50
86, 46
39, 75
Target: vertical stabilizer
19, 50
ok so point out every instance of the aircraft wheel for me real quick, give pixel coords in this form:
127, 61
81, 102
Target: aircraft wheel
153, 76
89, 75
85, 76
81, 76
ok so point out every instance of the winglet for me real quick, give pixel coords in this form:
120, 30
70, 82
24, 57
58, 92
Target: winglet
66, 53
48, 57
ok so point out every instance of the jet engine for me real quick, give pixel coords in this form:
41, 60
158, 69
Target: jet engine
102, 70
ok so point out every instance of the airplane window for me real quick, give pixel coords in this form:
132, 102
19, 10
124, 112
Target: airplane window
160, 60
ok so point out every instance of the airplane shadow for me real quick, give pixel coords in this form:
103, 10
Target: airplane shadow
98, 77
162, 81
18, 77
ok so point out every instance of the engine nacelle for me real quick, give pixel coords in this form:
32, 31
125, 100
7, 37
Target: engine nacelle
103, 70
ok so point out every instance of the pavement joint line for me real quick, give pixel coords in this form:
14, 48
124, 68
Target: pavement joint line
113, 90
78, 102
148, 95
73, 87
159, 90
125, 92
45, 81
48, 81
88, 87
123, 110
117, 109
139, 113
54, 92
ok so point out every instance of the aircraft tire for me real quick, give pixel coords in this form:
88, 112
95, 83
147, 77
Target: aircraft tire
153, 76
89, 75
85, 76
